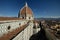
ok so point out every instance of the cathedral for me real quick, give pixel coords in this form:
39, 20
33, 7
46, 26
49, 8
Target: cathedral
17, 28
26, 13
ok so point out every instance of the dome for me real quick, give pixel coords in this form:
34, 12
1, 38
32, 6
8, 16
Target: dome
26, 10
26, 13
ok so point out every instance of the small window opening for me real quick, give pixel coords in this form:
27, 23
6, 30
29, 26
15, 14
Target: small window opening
29, 17
9, 27
19, 23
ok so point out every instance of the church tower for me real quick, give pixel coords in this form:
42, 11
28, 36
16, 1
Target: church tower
26, 13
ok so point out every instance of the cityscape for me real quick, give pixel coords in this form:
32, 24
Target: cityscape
29, 20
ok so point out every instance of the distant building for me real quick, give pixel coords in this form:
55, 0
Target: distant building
26, 13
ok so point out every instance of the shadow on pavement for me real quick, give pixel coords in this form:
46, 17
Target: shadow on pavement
39, 36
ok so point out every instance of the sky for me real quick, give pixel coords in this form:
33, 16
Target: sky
40, 8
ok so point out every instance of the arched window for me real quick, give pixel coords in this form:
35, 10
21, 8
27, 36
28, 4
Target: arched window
23, 17
29, 17
9, 27
19, 23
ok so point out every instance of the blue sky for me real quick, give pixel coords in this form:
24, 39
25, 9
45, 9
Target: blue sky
40, 8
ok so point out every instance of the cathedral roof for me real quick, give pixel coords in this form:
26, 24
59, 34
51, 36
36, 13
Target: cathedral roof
25, 10
9, 18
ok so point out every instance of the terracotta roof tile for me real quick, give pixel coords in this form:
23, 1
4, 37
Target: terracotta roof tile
9, 18
25, 10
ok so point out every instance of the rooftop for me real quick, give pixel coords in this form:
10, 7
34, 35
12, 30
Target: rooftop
9, 18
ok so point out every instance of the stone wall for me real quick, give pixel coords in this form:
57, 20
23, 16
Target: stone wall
7, 26
26, 33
